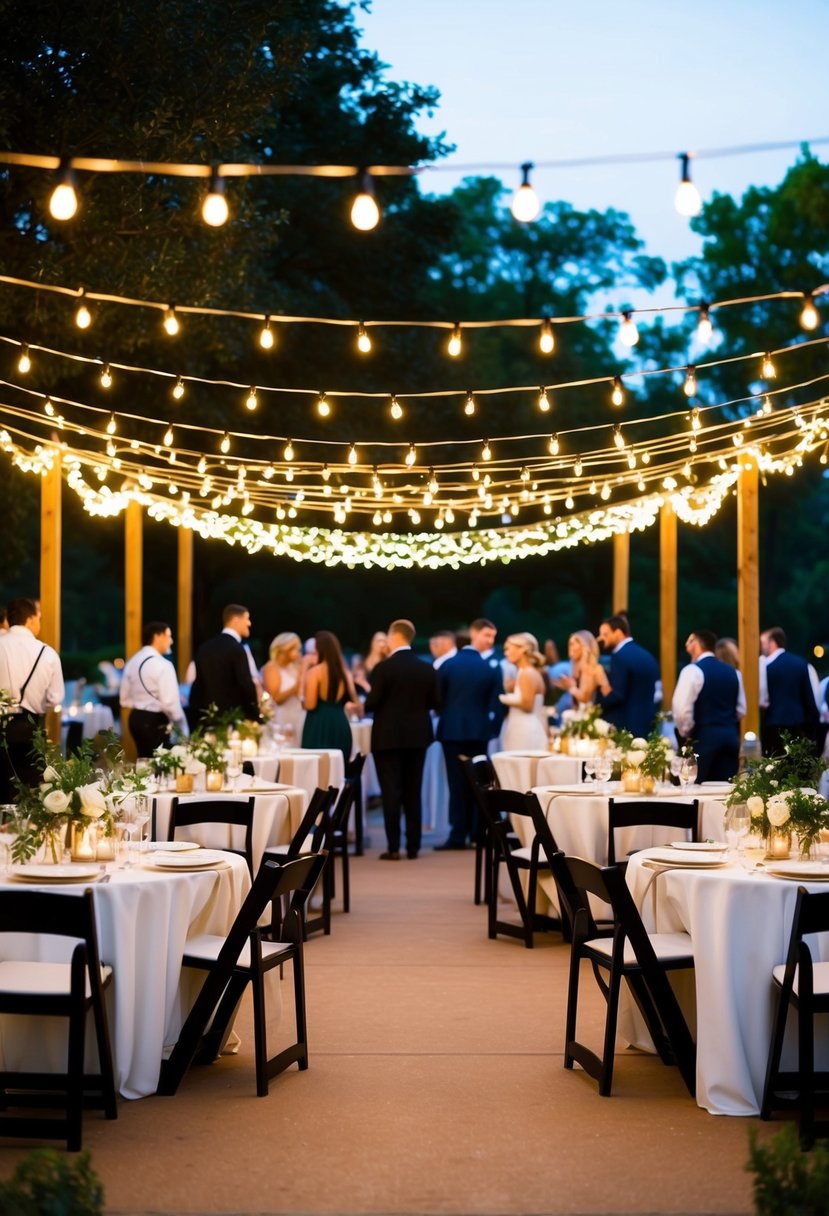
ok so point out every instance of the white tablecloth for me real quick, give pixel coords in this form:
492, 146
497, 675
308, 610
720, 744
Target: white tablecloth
739, 925
144, 918
312, 768
93, 719
518, 770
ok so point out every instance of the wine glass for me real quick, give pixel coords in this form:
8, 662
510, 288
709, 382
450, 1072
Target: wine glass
676, 766
234, 768
688, 771
603, 768
589, 769
737, 824
129, 830
140, 818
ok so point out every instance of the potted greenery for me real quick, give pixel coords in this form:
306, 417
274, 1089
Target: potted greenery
48, 1183
211, 753
780, 793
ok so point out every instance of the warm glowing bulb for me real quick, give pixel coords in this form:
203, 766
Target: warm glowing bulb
111, 425
690, 386
214, 209
687, 199
352, 454
469, 406
106, 376
695, 421
63, 202
705, 329
171, 324
24, 363
768, 371
628, 332
618, 437
543, 401
433, 482
363, 340
323, 408
809, 317
178, 388
411, 455
83, 317
326, 472
578, 468
553, 445
396, 409
455, 343
525, 205
266, 338
618, 394
168, 437
48, 407
251, 401
486, 451
288, 452
546, 339
224, 446
365, 214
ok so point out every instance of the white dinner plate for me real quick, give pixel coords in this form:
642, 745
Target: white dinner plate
700, 846
714, 787
680, 857
58, 873
200, 860
172, 846
802, 871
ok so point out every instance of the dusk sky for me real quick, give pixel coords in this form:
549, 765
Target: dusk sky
546, 80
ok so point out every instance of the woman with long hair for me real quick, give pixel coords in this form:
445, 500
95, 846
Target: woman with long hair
526, 723
327, 693
281, 678
588, 673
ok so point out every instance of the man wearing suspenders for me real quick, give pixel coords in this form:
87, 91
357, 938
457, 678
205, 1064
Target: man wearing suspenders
149, 690
31, 672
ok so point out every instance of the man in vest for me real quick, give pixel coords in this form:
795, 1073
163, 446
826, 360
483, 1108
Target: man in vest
788, 693
709, 701
149, 690
31, 672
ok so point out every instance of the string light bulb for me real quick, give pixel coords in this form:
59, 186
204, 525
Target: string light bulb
106, 376
24, 363
767, 370
618, 437
48, 407
411, 455
251, 401
288, 452
352, 455
224, 446
553, 445
112, 426
486, 451
266, 338
63, 202
705, 329
178, 388
687, 199
809, 316
690, 385
395, 408
546, 338
433, 482
618, 395
363, 339
83, 317
628, 330
326, 472
323, 407
578, 467
214, 209
170, 322
469, 405
455, 344
525, 206
543, 401
365, 214
168, 437
695, 419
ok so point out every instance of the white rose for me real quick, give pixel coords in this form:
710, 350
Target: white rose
755, 805
805, 789
93, 803
603, 726
568, 716
777, 811
49, 774
635, 757
640, 744
56, 802
178, 750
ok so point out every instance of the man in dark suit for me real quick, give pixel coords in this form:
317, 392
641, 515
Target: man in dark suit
470, 716
788, 693
223, 674
708, 703
403, 691
626, 696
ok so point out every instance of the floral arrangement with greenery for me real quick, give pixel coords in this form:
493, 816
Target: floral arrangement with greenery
208, 749
585, 723
781, 792
167, 761
658, 753
8, 705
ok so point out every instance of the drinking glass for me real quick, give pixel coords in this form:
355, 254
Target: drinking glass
233, 768
688, 771
737, 824
589, 770
753, 852
141, 817
604, 768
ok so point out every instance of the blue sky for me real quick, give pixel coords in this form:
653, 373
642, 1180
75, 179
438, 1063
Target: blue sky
546, 80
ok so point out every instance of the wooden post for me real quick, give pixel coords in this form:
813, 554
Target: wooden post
50, 555
748, 587
667, 602
184, 628
621, 572
133, 589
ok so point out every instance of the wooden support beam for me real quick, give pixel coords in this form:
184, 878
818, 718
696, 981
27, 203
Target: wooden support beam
133, 596
621, 572
50, 568
184, 626
748, 586
667, 601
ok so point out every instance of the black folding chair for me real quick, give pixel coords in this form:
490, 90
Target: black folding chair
339, 839
56, 990
313, 835
481, 775
626, 952
242, 958
803, 985
235, 812
684, 816
354, 771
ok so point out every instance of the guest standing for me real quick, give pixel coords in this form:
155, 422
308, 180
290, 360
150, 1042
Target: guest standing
378, 650
788, 693
223, 674
709, 701
281, 678
470, 716
31, 671
326, 693
149, 690
526, 724
627, 694
583, 652
403, 691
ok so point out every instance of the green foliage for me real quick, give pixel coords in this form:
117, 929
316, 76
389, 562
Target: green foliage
788, 1182
49, 1183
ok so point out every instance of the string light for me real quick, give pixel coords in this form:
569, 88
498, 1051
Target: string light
525, 206
543, 401
178, 388
618, 437
363, 339
553, 445
352, 455
326, 472
224, 446
687, 199
617, 397
694, 419
628, 331
48, 407
486, 451
24, 363
395, 408
690, 386
455, 344
365, 214
168, 437
106, 376
767, 370
214, 209
433, 482
469, 405
170, 322
411, 455
546, 338
251, 400
809, 316
578, 468
63, 202
323, 407
705, 329
83, 317
288, 451
112, 426
266, 338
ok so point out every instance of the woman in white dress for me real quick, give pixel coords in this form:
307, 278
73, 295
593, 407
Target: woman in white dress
526, 724
281, 677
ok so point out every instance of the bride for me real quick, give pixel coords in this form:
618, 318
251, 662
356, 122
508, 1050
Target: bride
526, 724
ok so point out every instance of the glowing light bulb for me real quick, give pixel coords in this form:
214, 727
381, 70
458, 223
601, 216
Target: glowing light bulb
170, 322
363, 339
377, 518
288, 451
767, 405
352, 454
202, 466
106, 376
486, 451
578, 467
48, 407
455, 344
326, 472
395, 409
705, 330
63, 203
569, 503
543, 401
365, 214
24, 363
687, 199
83, 317
251, 401
178, 388
546, 338
628, 331
433, 482
695, 420
618, 437
553, 445
469, 405
266, 338
224, 446
690, 385
768, 371
525, 206
411, 455
618, 394
525, 474
809, 316
168, 437
214, 209
323, 407
112, 426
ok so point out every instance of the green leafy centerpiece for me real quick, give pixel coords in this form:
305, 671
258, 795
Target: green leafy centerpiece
781, 795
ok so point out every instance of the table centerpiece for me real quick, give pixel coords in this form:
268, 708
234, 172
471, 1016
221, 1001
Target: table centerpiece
781, 795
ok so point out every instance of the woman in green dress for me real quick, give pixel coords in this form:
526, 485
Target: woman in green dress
328, 691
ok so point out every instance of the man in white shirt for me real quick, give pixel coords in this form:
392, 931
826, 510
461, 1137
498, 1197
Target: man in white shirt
31, 671
149, 690
709, 701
